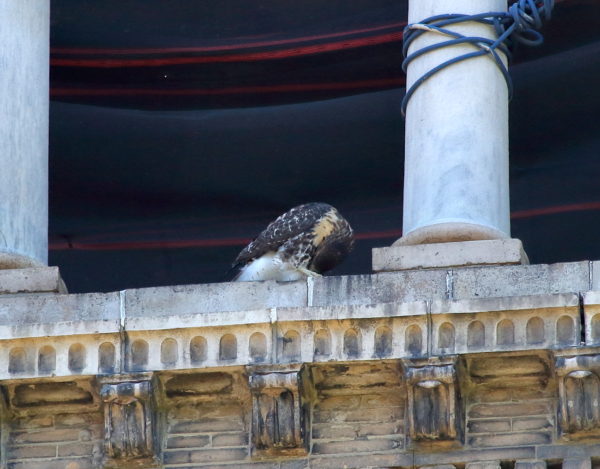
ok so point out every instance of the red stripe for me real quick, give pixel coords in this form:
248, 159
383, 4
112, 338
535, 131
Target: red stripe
203, 243
294, 87
536, 212
251, 57
249, 45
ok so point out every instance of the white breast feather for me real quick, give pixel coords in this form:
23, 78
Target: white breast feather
269, 267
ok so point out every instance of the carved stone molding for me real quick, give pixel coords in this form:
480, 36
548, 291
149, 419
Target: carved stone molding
279, 419
129, 420
579, 394
434, 412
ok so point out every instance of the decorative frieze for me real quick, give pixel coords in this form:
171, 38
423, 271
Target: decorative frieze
279, 419
579, 395
434, 411
129, 419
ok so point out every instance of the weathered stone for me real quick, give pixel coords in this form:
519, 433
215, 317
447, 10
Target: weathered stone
32, 280
229, 439
579, 394
509, 409
199, 384
510, 439
578, 452
530, 464
278, 416
213, 298
488, 426
434, 410
473, 455
577, 463
205, 456
188, 441
40, 394
67, 463
207, 425
129, 419
520, 280
457, 254
401, 287
32, 452
483, 465
358, 446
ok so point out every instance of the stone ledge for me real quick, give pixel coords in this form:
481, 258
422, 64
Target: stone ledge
277, 335
31, 280
456, 254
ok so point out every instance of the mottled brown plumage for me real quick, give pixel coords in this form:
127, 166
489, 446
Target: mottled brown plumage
305, 241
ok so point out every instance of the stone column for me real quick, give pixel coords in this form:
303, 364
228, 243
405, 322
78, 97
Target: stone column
24, 102
456, 160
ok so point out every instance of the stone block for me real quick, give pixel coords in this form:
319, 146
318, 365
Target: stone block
362, 461
357, 446
229, 439
31, 452
58, 315
402, 287
188, 441
509, 409
213, 298
488, 426
62, 463
205, 456
457, 254
510, 439
207, 425
483, 465
530, 464
573, 452
520, 280
473, 455
77, 449
583, 463
31, 280
591, 308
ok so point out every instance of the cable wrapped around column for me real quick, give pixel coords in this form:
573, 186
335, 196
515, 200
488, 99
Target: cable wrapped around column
517, 25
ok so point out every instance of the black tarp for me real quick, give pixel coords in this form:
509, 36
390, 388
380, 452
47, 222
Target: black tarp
180, 128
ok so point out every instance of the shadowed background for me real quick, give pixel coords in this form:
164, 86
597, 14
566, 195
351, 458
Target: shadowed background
179, 129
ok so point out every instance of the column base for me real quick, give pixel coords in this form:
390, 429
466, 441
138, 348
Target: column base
449, 232
449, 254
9, 260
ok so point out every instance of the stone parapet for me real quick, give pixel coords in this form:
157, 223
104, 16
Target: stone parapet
425, 368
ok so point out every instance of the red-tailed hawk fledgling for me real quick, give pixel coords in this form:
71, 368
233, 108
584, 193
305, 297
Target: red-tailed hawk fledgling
305, 241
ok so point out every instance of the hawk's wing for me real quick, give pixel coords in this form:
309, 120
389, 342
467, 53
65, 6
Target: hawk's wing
292, 223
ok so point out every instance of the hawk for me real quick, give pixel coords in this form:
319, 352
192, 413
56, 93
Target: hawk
304, 242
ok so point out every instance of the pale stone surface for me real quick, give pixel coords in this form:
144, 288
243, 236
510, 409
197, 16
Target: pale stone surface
32, 280
456, 155
377, 288
584, 463
518, 280
47, 315
483, 465
457, 254
24, 82
591, 308
214, 298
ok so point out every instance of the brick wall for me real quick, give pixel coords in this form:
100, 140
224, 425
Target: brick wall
359, 410
511, 405
55, 441
206, 432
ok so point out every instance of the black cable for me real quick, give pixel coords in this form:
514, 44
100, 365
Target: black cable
517, 25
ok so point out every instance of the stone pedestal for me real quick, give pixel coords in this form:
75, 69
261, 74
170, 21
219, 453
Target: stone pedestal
453, 254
